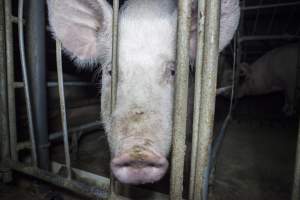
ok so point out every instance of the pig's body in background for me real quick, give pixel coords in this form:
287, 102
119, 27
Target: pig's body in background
140, 128
275, 71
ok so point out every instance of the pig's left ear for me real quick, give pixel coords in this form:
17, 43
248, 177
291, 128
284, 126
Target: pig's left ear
229, 20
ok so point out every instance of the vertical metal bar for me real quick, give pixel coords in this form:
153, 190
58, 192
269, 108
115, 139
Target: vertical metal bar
25, 79
35, 25
10, 80
63, 108
4, 133
180, 100
114, 78
296, 185
256, 18
197, 97
208, 94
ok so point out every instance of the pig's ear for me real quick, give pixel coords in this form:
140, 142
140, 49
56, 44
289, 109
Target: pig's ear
229, 20
83, 27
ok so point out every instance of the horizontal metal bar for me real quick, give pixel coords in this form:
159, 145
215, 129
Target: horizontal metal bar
55, 84
268, 37
270, 6
83, 128
56, 135
78, 187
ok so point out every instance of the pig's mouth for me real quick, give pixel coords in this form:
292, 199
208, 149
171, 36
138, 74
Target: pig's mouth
145, 167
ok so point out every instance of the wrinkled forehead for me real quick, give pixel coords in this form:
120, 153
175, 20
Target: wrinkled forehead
146, 41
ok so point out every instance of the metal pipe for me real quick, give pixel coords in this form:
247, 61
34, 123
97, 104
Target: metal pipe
208, 94
296, 183
75, 186
35, 25
256, 18
55, 84
63, 108
197, 95
268, 37
180, 99
270, 6
114, 80
5, 175
57, 135
25, 79
10, 80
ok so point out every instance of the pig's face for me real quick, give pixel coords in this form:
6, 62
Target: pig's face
139, 129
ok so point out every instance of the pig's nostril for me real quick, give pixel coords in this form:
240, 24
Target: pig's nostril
148, 167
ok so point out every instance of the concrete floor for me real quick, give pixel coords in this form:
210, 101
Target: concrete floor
256, 160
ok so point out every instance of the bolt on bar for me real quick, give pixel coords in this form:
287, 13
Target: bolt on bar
25, 78
114, 77
10, 80
208, 93
180, 99
197, 95
63, 108
296, 185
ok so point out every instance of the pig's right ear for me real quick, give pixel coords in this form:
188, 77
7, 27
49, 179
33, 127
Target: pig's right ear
83, 27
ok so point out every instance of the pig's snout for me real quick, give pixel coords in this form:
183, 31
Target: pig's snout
139, 167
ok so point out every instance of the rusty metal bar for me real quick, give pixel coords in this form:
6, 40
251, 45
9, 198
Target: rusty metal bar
207, 108
180, 99
197, 95
296, 185
63, 108
25, 79
10, 79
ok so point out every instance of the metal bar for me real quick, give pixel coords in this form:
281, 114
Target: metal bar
256, 18
268, 37
114, 80
37, 78
270, 6
63, 108
197, 95
180, 99
272, 19
296, 184
208, 94
25, 79
10, 80
56, 135
55, 84
75, 186
4, 130
83, 128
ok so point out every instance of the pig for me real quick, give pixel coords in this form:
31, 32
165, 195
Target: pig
140, 127
274, 71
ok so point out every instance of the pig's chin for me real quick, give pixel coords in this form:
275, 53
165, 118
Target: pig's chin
138, 172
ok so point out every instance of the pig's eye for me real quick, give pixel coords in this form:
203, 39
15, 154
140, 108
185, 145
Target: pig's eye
109, 72
173, 72
171, 68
